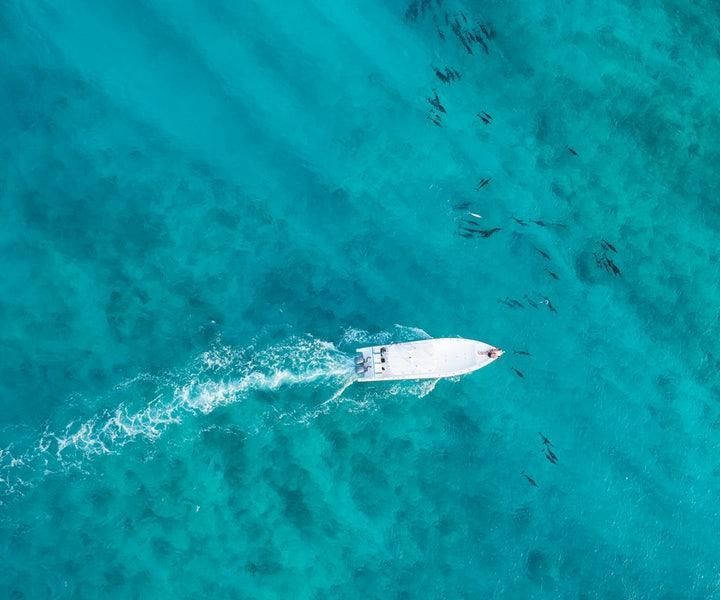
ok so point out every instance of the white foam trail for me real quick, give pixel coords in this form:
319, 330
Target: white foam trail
400, 333
220, 376
358, 337
302, 361
408, 334
325, 407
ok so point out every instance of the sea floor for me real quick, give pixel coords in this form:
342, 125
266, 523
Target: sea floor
206, 207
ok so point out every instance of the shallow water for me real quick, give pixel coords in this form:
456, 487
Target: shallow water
206, 209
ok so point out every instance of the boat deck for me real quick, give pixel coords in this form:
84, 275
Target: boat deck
423, 359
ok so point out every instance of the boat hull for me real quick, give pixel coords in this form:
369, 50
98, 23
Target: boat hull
423, 359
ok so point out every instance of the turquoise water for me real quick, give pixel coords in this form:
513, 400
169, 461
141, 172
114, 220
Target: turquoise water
207, 208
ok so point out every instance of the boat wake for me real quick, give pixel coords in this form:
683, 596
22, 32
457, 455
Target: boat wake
353, 337
218, 377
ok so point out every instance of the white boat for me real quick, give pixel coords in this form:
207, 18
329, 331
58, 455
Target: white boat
423, 359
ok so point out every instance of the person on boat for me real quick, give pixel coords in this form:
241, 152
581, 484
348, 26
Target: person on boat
494, 353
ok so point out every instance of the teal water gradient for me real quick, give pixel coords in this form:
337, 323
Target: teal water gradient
207, 208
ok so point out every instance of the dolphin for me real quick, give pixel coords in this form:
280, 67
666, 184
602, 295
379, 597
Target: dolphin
435, 102
613, 266
511, 302
546, 302
483, 44
552, 274
531, 481
531, 302
545, 440
435, 119
440, 75
600, 260
608, 245
486, 233
457, 30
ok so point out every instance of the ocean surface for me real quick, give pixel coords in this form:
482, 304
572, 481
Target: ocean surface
207, 206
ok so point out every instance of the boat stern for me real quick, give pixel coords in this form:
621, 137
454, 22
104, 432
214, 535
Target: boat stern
370, 363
